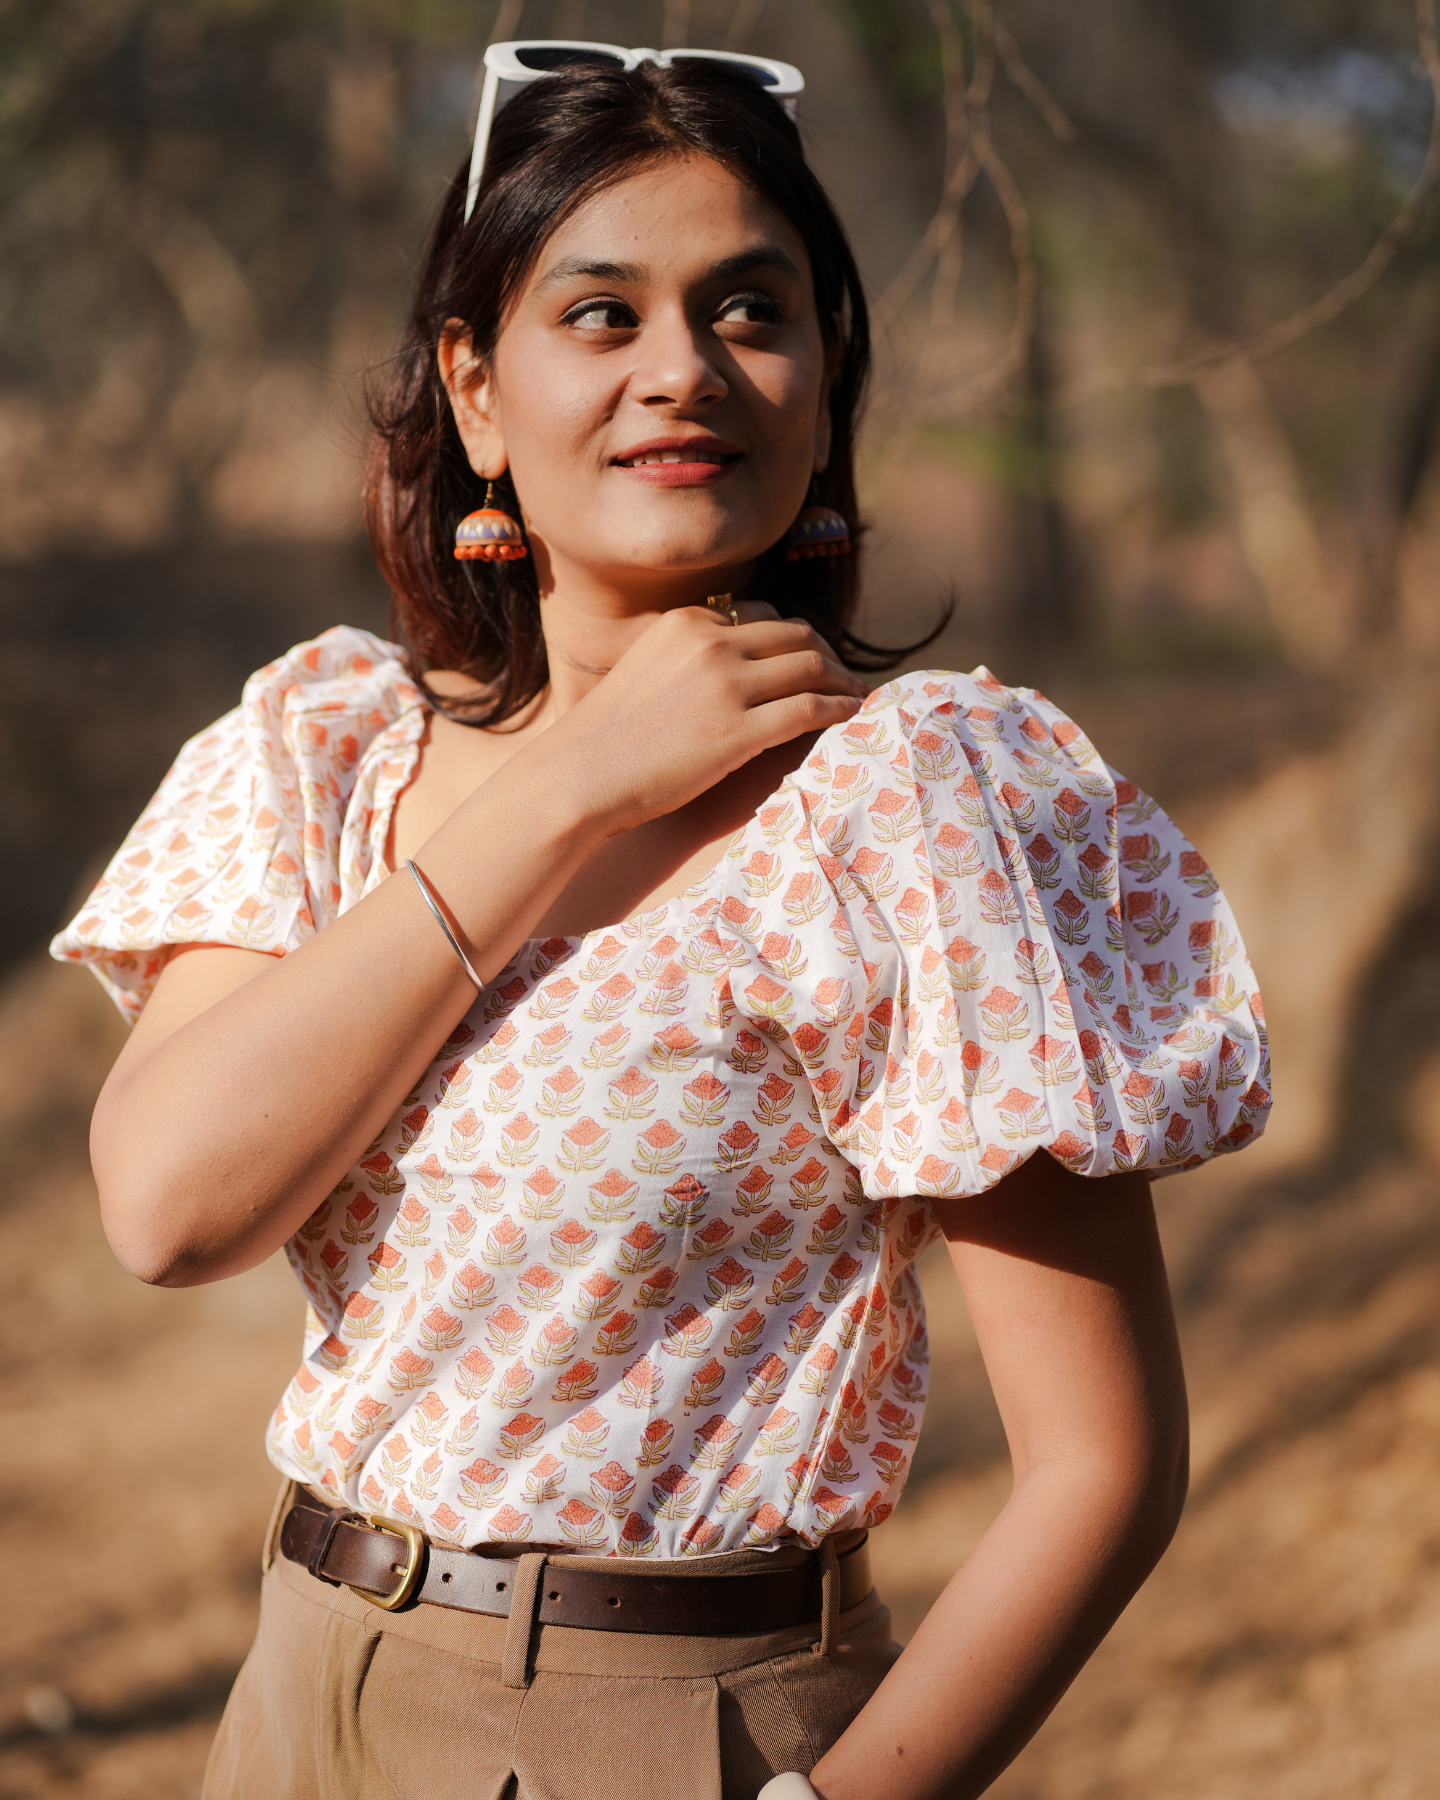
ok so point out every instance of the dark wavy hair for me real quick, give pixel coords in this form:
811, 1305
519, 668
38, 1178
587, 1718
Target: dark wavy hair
558, 143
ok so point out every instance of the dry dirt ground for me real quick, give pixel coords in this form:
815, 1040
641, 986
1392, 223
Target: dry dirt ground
1288, 1646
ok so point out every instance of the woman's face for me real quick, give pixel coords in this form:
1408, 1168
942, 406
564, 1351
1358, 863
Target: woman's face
659, 391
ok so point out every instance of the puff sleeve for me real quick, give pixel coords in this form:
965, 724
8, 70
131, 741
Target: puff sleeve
980, 941
260, 833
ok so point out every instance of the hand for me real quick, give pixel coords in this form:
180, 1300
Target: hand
692, 699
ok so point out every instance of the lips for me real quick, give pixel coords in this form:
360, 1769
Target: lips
650, 458
680, 462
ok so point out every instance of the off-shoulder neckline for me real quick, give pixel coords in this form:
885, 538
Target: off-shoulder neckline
380, 836
695, 892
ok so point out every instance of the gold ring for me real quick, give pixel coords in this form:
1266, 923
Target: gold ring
724, 605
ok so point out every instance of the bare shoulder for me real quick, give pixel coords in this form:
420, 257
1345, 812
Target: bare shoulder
454, 759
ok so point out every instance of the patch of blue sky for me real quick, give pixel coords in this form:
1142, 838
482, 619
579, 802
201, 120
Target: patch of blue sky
1350, 92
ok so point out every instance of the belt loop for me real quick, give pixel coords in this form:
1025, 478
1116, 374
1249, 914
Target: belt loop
334, 1519
524, 1594
829, 1596
272, 1530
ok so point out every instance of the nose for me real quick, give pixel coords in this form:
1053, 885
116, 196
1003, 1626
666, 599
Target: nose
676, 366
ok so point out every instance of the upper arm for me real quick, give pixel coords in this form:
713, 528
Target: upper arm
1065, 1283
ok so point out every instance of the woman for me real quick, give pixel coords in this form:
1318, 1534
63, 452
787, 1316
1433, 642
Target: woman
709, 990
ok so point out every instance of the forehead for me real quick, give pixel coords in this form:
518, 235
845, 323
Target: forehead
672, 219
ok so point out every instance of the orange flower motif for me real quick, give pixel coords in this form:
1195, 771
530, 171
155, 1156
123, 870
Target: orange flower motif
864, 1002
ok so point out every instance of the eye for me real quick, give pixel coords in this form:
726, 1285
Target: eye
748, 309
601, 315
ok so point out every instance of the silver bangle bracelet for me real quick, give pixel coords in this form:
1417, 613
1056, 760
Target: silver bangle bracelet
443, 922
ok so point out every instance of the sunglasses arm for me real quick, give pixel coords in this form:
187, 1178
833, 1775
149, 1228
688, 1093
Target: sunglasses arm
489, 93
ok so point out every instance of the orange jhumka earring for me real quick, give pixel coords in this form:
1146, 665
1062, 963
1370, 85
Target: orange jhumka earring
489, 535
819, 531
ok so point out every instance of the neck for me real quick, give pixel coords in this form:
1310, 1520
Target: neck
591, 617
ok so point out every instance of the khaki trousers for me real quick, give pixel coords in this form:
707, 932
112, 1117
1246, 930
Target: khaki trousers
339, 1700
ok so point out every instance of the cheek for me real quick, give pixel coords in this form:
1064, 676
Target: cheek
551, 416
549, 401
549, 410
789, 392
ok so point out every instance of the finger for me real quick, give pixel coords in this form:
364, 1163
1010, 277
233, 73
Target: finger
802, 672
778, 721
763, 635
778, 637
759, 623
814, 669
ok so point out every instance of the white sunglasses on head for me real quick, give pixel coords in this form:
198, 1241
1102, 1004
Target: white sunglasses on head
508, 67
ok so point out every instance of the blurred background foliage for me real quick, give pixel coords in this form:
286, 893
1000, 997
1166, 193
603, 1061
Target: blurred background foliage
209, 210
1225, 564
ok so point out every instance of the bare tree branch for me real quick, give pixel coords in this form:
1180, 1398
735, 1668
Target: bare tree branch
1004, 364
1030, 85
961, 168
936, 392
1334, 300
971, 152
957, 144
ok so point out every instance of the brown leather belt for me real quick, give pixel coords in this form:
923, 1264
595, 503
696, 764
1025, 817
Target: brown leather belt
337, 1547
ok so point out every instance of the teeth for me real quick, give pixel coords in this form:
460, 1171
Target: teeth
672, 456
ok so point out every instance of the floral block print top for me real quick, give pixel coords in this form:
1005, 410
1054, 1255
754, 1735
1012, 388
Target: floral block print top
632, 1267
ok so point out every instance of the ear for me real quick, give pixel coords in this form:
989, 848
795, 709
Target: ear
823, 421
470, 384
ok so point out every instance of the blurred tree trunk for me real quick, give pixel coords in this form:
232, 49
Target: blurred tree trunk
1044, 611
362, 130
1393, 493
1277, 531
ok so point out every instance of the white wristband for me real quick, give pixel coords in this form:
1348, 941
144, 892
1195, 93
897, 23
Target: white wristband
787, 1787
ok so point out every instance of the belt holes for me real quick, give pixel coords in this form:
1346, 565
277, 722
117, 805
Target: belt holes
445, 1576
554, 1594
499, 1586
614, 1600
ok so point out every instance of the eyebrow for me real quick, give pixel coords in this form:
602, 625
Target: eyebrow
574, 266
759, 256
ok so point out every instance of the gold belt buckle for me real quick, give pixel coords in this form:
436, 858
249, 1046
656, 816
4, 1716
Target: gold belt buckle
410, 1576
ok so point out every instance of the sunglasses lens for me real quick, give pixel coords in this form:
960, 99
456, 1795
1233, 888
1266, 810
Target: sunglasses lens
546, 58
765, 78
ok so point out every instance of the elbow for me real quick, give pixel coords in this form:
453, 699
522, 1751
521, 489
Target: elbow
144, 1251
179, 1225
1136, 1494
169, 1234
162, 1271
1177, 1484
1157, 1491
147, 1210
160, 1264
154, 1228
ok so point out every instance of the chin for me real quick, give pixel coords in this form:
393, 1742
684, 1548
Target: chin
667, 553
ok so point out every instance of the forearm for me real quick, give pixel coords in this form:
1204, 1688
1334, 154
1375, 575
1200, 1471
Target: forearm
213, 1143
1008, 1635
212, 1149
